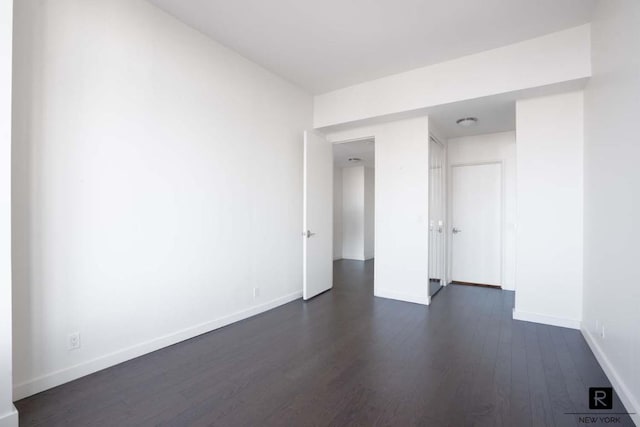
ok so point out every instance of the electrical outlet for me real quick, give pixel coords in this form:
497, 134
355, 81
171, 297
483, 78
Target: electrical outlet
256, 292
73, 341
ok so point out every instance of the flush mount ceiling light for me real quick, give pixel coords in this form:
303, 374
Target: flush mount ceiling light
466, 122
354, 159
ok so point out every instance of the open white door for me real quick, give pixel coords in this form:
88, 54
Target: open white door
317, 246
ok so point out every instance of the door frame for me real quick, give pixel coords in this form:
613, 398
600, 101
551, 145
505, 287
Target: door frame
334, 143
450, 215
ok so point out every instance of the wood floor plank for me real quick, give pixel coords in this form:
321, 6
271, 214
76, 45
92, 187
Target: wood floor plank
555, 380
541, 409
576, 388
482, 409
502, 371
520, 399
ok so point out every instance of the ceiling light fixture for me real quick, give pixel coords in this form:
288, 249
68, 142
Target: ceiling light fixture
466, 122
354, 159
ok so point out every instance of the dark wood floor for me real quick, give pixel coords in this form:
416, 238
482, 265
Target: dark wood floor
346, 358
434, 287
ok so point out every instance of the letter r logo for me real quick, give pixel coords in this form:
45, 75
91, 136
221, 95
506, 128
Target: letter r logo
600, 398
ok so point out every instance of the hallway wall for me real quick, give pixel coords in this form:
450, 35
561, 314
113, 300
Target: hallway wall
369, 212
337, 213
353, 213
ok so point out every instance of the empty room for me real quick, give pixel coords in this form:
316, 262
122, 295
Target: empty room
250, 213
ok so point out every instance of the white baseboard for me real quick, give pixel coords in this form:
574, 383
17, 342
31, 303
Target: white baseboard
416, 299
629, 401
546, 320
10, 419
71, 373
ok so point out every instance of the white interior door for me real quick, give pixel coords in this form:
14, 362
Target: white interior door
317, 247
476, 224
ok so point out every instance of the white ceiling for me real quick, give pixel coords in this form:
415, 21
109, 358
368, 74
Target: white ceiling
329, 44
494, 114
363, 149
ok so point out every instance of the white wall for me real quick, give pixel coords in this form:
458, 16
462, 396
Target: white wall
544, 61
354, 236
489, 148
550, 209
369, 213
337, 213
353, 213
612, 206
8, 415
157, 181
401, 206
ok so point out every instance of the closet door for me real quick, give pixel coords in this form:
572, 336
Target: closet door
437, 203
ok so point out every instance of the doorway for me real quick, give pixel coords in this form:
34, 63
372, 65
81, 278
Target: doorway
338, 208
354, 200
476, 221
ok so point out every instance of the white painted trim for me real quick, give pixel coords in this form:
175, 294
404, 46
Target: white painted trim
546, 320
416, 299
10, 419
71, 373
371, 138
627, 398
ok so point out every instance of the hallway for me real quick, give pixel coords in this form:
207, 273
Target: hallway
347, 358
